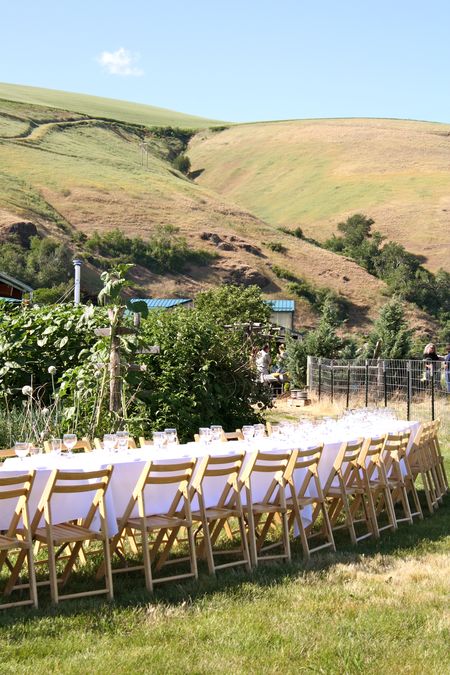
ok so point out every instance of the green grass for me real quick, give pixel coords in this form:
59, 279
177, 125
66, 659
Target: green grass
94, 106
380, 607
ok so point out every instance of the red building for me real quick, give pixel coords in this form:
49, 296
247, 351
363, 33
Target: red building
12, 289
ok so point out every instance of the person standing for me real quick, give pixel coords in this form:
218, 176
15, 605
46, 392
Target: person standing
263, 362
430, 356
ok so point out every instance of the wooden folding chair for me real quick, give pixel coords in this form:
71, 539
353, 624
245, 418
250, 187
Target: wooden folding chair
305, 490
175, 477
267, 474
6, 453
438, 459
344, 492
54, 534
16, 536
82, 444
422, 462
217, 491
377, 490
399, 476
226, 436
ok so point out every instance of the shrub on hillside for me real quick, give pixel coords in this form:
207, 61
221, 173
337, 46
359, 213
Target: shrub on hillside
182, 163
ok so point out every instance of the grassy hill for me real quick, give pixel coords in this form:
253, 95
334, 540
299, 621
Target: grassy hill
94, 106
315, 173
70, 172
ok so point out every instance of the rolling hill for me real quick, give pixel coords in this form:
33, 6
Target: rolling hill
315, 173
72, 164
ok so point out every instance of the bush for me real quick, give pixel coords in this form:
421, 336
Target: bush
182, 163
276, 246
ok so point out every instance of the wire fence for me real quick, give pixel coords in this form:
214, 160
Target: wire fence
419, 389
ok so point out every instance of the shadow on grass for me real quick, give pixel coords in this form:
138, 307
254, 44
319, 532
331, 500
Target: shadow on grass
423, 537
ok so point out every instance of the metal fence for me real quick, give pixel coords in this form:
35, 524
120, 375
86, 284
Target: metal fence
420, 389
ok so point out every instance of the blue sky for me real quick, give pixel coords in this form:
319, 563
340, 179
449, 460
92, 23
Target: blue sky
239, 60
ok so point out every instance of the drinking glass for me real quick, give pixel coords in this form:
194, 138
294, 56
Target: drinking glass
56, 444
109, 442
248, 432
21, 449
159, 439
122, 440
171, 436
216, 433
204, 435
69, 441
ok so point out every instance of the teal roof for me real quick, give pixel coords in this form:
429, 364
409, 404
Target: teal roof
162, 303
281, 305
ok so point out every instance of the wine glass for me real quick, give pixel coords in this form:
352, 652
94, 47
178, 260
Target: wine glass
205, 435
21, 448
216, 433
260, 430
69, 441
171, 436
248, 432
122, 440
159, 439
109, 442
56, 444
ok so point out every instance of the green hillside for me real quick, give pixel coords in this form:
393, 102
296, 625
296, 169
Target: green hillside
94, 106
315, 173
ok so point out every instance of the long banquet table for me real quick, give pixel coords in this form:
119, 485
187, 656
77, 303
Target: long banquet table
129, 465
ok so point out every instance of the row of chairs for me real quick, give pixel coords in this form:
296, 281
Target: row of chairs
372, 482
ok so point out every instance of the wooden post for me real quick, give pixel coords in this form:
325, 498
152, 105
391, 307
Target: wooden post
332, 380
366, 383
320, 378
348, 387
408, 390
385, 384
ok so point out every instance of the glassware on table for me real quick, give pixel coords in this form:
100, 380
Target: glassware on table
69, 442
159, 439
171, 436
259, 430
216, 433
109, 442
275, 432
122, 440
205, 435
56, 445
248, 432
35, 449
21, 448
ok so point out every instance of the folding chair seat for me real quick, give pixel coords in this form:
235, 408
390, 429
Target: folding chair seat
216, 500
305, 491
6, 453
377, 492
422, 463
399, 476
265, 480
162, 501
86, 493
345, 491
15, 535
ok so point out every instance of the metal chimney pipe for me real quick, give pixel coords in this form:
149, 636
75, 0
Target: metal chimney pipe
76, 290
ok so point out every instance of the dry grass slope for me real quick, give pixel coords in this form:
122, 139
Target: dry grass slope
315, 173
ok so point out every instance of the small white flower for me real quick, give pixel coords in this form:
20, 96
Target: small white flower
27, 390
51, 370
80, 384
45, 411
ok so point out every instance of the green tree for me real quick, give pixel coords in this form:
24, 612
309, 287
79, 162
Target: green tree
182, 163
391, 330
233, 304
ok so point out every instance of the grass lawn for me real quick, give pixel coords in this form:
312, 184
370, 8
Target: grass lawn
381, 607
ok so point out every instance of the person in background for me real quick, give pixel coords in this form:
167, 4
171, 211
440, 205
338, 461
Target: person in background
263, 362
429, 357
447, 368
281, 360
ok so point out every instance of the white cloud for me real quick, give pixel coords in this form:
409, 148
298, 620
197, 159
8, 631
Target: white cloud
120, 62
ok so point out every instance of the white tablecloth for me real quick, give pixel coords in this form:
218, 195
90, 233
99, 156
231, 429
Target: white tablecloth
128, 467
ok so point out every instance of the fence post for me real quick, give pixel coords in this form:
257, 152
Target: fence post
366, 382
320, 378
348, 387
432, 391
308, 373
332, 380
385, 384
408, 390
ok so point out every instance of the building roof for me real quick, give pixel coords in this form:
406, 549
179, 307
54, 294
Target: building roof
15, 283
162, 303
281, 305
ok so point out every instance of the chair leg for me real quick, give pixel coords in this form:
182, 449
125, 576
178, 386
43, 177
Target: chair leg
108, 570
192, 552
348, 517
286, 540
147, 561
52, 572
32, 578
244, 543
208, 547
